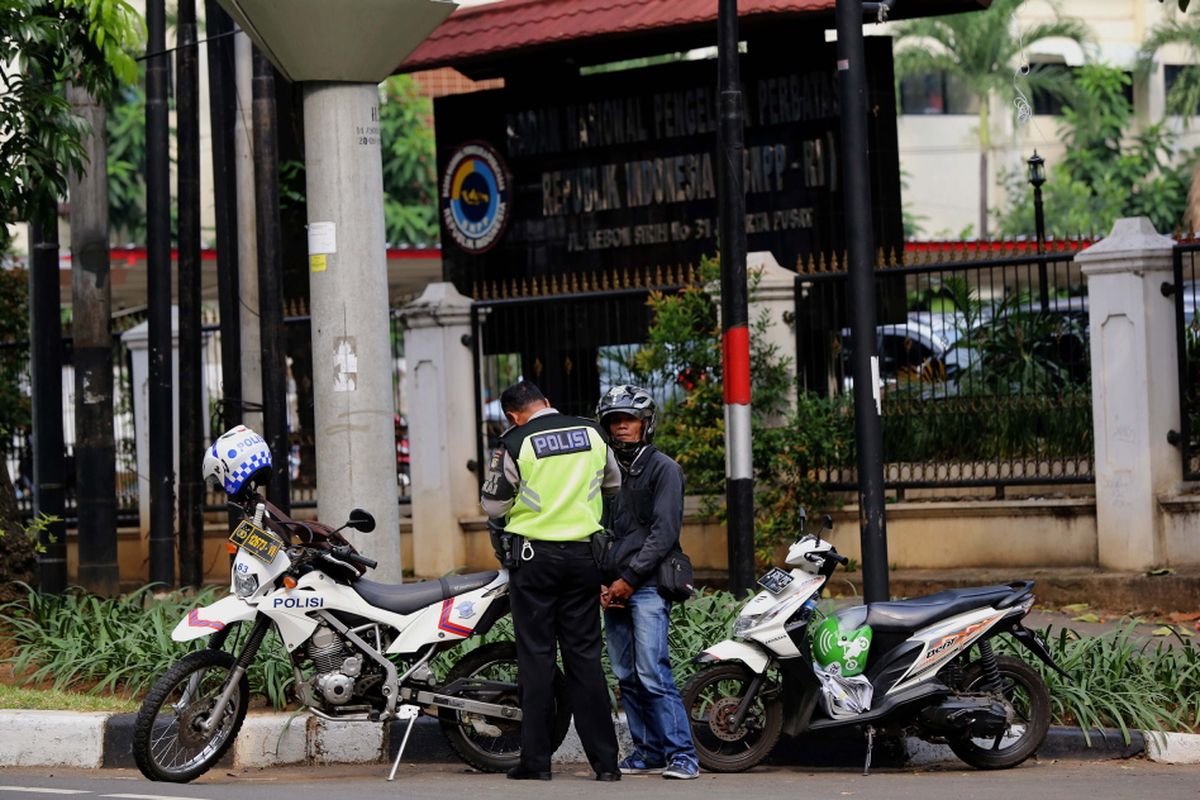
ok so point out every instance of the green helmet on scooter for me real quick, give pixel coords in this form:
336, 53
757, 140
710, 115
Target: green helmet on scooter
840, 652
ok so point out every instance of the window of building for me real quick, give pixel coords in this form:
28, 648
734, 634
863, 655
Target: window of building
1173, 72
936, 93
1044, 102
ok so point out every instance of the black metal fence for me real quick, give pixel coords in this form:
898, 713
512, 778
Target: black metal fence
1187, 347
983, 364
573, 346
18, 449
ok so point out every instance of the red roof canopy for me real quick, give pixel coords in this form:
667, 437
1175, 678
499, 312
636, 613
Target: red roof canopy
486, 33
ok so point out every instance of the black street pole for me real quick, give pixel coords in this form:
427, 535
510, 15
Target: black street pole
735, 340
270, 279
158, 290
45, 364
1037, 176
191, 369
222, 108
856, 182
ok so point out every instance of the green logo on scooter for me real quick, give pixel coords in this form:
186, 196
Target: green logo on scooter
840, 652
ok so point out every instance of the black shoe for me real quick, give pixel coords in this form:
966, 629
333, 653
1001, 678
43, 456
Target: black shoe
523, 774
608, 776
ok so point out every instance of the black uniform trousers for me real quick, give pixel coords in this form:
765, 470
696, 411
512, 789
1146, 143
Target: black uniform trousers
556, 601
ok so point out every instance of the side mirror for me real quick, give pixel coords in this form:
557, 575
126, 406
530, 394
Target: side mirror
827, 523
361, 521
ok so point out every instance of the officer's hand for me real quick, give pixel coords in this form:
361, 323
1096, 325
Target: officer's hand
619, 592
604, 597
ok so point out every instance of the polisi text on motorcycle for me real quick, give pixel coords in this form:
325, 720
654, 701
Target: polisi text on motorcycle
298, 602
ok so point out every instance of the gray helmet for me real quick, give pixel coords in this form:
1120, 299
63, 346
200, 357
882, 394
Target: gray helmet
627, 399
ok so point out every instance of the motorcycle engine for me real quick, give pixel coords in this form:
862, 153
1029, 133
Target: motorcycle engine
337, 669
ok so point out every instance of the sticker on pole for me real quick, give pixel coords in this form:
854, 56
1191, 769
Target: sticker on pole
322, 238
474, 196
345, 364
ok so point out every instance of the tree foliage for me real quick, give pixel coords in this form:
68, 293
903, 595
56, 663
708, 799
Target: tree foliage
684, 349
44, 43
409, 169
982, 49
126, 126
1106, 174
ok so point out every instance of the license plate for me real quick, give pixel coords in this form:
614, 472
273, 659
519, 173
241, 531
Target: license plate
261, 544
776, 580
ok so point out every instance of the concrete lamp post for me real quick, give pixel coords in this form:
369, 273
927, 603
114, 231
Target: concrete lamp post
341, 51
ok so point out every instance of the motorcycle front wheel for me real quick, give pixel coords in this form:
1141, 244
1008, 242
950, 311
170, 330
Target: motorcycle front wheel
489, 674
712, 697
1026, 692
169, 742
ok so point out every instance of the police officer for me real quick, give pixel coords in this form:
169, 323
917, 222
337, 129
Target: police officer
549, 477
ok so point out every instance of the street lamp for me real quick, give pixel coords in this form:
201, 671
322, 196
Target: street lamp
1037, 176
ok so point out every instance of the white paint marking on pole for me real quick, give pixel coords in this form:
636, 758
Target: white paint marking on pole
322, 238
345, 364
42, 790
739, 459
876, 386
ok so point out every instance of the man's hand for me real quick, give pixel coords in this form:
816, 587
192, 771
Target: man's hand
619, 592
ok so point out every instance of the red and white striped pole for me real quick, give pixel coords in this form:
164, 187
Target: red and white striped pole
735, 340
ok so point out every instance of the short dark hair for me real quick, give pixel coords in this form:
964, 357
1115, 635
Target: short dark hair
520, 396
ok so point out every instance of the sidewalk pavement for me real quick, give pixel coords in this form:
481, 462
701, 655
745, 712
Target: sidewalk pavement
91, 740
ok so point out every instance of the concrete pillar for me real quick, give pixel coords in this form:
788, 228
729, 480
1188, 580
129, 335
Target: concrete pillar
773, 292
441, 424
1135, 399
247, 233
351, 338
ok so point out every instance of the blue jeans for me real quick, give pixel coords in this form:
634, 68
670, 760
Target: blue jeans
637, 648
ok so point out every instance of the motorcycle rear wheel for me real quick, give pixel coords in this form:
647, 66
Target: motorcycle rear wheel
1030, 699
493, 744
168, 742
711, 697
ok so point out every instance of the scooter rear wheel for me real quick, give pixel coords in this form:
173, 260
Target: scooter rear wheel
1025, 690
712, 697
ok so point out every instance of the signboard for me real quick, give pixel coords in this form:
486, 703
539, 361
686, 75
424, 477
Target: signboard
618, 170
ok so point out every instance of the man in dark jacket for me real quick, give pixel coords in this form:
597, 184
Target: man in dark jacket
646, 517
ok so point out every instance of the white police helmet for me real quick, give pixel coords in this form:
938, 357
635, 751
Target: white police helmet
236, 459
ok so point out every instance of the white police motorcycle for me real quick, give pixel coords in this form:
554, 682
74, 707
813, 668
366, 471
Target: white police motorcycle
359, 650
904, 666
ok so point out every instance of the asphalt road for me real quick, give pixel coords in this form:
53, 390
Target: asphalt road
1060, 779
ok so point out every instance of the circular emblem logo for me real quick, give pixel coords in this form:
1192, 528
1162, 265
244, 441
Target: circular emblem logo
474, 197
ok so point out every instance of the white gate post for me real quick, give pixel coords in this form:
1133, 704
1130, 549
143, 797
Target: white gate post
442, 409
1135, 391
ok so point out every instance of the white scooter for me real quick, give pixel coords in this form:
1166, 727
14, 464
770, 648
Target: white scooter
903, 666
360, 650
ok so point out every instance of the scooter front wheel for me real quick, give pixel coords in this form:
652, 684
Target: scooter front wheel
173, 739
712, 698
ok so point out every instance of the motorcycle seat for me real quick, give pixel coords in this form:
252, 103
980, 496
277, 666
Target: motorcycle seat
905, 616
406, 598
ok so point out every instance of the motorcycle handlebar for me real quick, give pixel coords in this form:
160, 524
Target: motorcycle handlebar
346, 554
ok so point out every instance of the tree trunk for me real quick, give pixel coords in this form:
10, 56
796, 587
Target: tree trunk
18, 559
985, 144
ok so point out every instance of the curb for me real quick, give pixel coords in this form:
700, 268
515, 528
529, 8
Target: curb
68, 738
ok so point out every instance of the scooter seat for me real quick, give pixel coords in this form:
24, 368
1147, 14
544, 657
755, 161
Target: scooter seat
406, 598
905, 616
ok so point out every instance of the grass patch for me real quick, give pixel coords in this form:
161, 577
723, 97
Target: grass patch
86, 649
19, 697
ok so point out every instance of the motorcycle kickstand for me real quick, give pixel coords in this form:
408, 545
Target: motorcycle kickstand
870, 747
410, 713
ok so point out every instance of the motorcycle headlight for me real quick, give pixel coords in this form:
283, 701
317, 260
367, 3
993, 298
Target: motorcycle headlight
245, 584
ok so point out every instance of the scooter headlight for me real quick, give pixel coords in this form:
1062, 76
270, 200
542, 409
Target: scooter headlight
245, 584
743, 624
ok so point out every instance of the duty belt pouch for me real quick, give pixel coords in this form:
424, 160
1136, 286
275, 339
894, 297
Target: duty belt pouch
602, 542
507, 546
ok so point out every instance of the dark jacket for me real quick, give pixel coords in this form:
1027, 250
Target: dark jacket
646, 517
